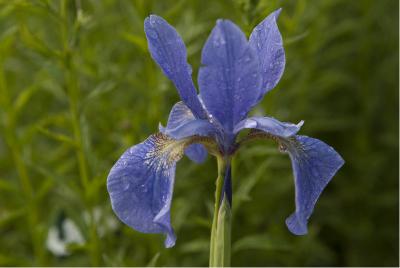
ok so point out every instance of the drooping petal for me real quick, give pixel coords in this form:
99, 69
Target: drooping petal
180, 115
269, 125
314, 164
169, 52
229, 79
266, 40
141, 183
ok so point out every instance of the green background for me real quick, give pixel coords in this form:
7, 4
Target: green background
78, 87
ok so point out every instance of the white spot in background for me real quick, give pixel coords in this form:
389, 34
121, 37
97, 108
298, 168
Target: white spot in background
57, 243
104, 222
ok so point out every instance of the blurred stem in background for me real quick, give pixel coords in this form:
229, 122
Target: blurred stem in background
73, 92
27, 190
220, 242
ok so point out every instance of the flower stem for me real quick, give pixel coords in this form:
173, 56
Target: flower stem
220, 244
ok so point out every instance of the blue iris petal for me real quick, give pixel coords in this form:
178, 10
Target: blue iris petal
314, 164
197, 153
266, 40
180, 115
169, 51
140, 185
229, 79
197, 127
269, 125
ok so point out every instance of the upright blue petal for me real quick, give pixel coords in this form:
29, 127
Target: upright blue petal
267, 41
229, 79
141, 183
169, 51
197, 127
314, 164
182, 124
269, 125
180, 115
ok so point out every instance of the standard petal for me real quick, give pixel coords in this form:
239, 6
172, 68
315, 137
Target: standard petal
169, 52
266, 40
141, 183
269, 125
182, 124
230, 78
314, 164
197, 127
180, 115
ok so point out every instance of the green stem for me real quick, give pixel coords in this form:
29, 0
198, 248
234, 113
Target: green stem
27, 190
72, 84
220, 244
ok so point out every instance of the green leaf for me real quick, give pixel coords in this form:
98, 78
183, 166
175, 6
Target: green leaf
94, 186
242, 193
260, 242
153, 261
296, 38
100, 89
45, 187
222, 246
13, 261
36, 44
196, 246
8, 217
138, 40
23, 98
57, 136
175, 9
7, 39
7, 186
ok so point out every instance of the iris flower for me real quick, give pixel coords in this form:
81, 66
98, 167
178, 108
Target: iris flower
234, 76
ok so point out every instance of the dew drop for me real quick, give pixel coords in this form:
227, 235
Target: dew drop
143, 188
125, 183
210, 118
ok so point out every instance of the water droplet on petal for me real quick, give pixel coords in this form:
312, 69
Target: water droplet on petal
125, 183
210, 118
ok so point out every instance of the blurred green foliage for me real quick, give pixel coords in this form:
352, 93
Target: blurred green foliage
78, 87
